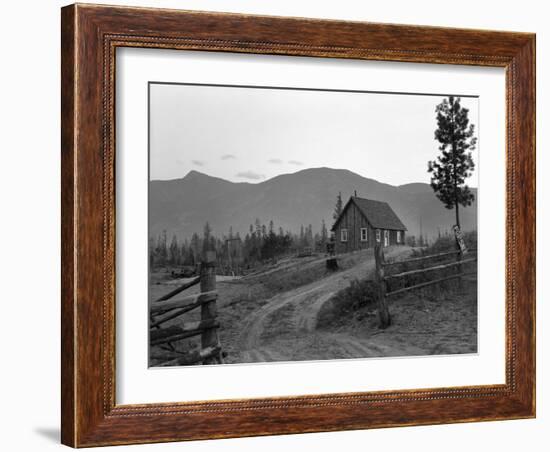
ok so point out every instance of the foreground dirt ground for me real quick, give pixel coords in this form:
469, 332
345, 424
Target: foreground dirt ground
272, 315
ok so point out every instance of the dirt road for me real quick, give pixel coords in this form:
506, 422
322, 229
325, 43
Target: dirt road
284, 329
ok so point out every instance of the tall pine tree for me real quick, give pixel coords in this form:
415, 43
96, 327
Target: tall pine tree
338, 207
454, 165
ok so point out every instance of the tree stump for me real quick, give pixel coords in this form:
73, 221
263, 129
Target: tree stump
332, 264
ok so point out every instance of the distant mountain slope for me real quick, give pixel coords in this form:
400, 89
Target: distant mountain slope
416, 188
183, 206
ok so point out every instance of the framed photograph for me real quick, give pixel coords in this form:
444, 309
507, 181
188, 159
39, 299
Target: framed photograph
281, 225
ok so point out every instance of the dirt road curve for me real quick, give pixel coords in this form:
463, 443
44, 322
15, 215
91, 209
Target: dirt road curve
284, 328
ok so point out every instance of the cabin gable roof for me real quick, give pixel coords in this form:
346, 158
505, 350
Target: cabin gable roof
379, 214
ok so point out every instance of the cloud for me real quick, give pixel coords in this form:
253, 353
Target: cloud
228, 157
295, 162
275, 161
197, 162
250, 175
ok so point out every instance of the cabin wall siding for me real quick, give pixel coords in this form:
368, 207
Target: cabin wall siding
346, 222
353, 220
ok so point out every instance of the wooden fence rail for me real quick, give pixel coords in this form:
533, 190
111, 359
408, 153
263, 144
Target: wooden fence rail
428, 283
180, 289
429, 269
382, 279
192, 300
165, 309
423, 258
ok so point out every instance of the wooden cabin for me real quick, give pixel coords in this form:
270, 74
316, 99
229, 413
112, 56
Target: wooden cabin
364, 222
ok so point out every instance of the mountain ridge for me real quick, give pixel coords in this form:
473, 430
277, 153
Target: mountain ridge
182, 206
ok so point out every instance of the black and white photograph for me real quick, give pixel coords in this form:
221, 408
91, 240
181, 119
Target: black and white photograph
293, 224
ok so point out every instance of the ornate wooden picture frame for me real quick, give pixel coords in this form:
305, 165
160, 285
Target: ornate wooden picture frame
90, 37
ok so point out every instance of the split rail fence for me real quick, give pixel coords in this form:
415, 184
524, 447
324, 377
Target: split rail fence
383, 280
163, 340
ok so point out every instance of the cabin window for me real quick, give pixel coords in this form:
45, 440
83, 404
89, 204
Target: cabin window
344, 235
363, 234
378, 235
386, 237
398, 239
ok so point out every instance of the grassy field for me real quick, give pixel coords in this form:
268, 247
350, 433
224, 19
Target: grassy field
422, 323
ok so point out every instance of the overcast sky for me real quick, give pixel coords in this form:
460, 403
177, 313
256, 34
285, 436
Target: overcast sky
250, 135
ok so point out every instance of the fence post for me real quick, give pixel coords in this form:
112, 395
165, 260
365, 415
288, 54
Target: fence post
383, 312
461, 248
209, 337
459, 268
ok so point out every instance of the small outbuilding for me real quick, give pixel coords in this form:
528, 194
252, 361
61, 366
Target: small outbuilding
365, 222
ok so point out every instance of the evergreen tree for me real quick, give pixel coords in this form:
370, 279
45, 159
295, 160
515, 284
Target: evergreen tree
451, 169
324, 235
338, 208
247, 247
174, 251
162, 250
309, 235
151, 252
258, 239
195, 247
318, 243
186, 254
206, 238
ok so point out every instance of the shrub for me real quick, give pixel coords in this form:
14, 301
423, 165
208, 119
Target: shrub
359, 294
